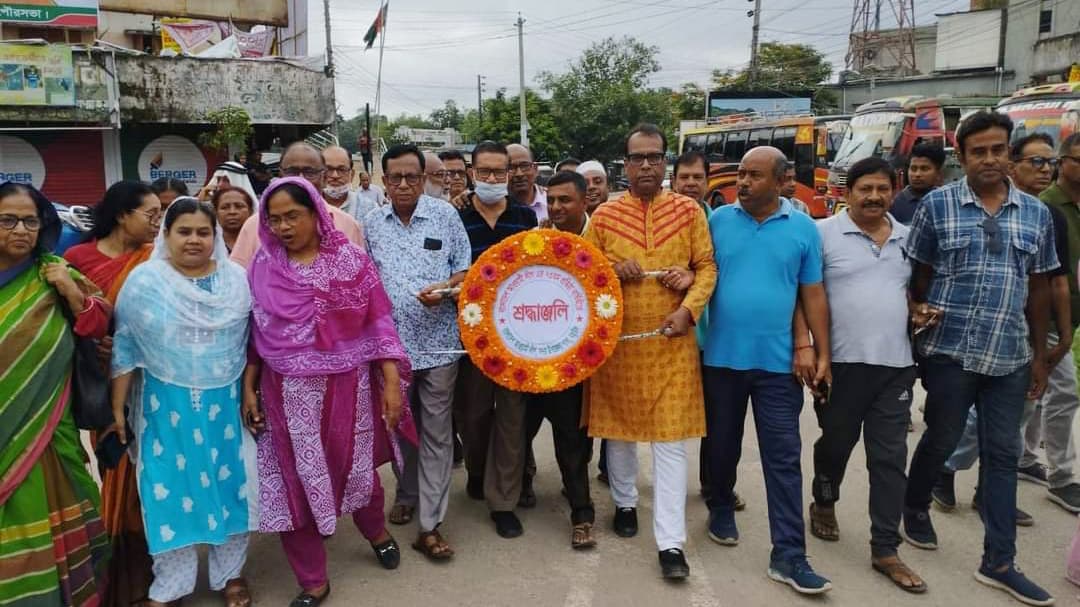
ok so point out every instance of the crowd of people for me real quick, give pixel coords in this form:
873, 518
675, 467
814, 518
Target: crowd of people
268, 353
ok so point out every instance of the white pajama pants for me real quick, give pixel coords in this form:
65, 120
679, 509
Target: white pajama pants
670, 468
175, 571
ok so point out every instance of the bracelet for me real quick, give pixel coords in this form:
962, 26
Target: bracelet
797, 348
87, 306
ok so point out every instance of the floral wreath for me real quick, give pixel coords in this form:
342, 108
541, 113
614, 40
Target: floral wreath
552, 248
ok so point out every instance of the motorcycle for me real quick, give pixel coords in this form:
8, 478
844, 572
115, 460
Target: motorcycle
76, 221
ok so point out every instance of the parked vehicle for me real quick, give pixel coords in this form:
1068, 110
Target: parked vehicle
889, 128
1053, 109
77, 222
811, 142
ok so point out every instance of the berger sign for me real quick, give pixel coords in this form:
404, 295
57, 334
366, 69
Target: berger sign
174, 157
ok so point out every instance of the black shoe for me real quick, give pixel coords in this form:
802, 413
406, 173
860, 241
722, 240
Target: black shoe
944, 491
673, 564
918, 530
388, 553
507, 524
1023, 519
625, 523
527, 499
305, 599
474, 487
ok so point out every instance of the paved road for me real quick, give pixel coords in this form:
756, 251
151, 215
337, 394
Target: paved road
540, 569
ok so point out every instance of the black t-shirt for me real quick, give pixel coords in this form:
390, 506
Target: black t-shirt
516, 218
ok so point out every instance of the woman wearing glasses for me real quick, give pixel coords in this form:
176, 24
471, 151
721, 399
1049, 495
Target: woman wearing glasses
53, 547
180, 349
331, 375
125, 223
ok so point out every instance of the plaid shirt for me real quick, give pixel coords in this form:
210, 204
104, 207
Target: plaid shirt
981, 294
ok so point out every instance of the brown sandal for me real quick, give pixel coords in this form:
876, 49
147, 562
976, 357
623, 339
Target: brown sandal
823, 523
401, 514
581, 536
433, 546
237, 593
897, 572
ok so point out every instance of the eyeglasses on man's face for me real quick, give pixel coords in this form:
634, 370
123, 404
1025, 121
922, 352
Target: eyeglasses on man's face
397, 178
640, 159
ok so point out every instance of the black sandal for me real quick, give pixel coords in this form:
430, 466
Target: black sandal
388, 553
306, 599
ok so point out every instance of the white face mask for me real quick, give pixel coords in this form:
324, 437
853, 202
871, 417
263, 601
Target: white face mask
490, 193
336, 191
433, 190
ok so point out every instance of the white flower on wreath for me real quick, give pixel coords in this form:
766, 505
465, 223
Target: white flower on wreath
472, 314
606, 306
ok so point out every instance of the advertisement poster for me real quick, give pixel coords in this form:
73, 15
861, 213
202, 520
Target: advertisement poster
81, 14
36, 75
176, 157
726, 103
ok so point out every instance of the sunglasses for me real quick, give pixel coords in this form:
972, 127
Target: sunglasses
993, 235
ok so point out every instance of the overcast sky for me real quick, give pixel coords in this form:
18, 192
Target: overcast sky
435, 49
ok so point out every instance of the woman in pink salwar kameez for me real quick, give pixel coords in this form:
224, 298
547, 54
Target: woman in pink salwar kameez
331, 375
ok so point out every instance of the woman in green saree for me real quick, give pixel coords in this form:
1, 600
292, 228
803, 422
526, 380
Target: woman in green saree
53, 547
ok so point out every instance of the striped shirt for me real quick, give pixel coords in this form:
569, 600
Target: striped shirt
516, 218
981, 293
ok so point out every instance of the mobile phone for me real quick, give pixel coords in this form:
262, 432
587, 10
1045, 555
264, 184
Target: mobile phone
109, 449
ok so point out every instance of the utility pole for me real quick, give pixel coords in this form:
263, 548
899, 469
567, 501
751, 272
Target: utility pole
329, 47
480, 100
521, 77
754, 44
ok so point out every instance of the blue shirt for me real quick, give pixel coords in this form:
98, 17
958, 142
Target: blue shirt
430, 249
760, 268
981, 293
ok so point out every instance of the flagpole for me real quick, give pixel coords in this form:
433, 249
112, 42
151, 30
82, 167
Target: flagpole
378, 76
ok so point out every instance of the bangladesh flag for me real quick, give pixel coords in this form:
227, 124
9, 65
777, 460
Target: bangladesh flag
376, 27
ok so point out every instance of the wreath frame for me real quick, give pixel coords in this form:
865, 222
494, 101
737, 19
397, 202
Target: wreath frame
543, 247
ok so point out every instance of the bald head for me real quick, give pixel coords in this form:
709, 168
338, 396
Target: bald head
434, 176
303, 159
761, 177
522, 173
767, 153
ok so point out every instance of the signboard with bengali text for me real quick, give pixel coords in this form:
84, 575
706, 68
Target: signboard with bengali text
76, 14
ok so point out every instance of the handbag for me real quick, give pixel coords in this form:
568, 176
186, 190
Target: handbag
90, 404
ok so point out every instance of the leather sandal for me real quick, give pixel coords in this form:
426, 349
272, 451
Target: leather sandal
823, 523
897, 571
401, 514
581, 536
432, 545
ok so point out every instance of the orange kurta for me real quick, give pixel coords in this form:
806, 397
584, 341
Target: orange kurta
649, 390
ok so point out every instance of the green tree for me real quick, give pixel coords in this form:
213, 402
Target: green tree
784, 68
688, 103
449, 116
604, 95
502, 122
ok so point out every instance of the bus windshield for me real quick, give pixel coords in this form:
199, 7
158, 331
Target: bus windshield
875, 134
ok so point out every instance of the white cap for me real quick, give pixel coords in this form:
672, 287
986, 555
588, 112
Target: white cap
590, 166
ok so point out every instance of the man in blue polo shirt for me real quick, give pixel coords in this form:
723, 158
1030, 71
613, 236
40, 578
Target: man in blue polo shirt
769, 258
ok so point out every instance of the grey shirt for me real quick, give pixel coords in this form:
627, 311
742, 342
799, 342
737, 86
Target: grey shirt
867, 289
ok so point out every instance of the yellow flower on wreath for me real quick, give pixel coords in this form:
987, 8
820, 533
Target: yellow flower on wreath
546, 377
533, 244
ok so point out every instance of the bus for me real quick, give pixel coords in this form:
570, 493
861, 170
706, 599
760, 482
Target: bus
1053, 109
889, 128
811, 142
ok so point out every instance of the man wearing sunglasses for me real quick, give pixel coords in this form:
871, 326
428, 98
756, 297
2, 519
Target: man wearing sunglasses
983, 251
1061, 403
1031, 169
300, 159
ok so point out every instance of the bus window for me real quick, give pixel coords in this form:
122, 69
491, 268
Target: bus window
804, 164
759, 137
735, 146
784, 140
694, 143
715, 147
